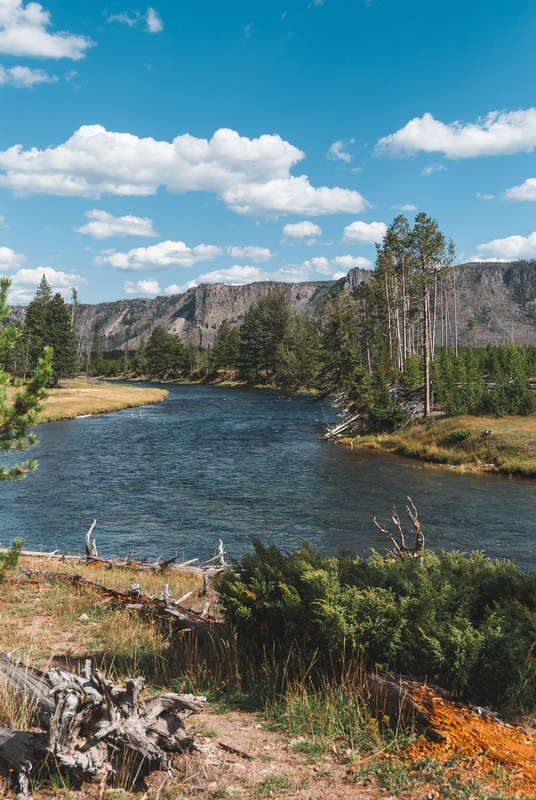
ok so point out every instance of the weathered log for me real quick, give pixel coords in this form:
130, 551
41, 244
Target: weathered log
183, 618
405, 702
94, 728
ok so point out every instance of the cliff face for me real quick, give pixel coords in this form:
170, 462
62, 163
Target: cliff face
499, 297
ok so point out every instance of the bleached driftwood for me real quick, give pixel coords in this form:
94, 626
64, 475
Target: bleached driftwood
183, 618
90, 727
212, 565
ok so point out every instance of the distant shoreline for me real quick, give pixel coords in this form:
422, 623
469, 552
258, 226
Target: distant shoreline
76, 398
493, 445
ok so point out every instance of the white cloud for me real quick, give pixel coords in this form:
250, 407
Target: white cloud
499, 133
9, 259
485, 196
164, 255
336, 267
406, 207
256, 254
299, 230
153, 22
25, 282
351, 262
24, 77
364, 232
431, 168
238, 275
104, 225
3, 221
251, 176
527, 191
336, 151
148, 286
509, 249
23, 32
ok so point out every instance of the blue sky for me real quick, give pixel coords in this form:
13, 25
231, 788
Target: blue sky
145, 149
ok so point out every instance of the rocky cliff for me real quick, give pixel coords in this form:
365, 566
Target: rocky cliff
500, 298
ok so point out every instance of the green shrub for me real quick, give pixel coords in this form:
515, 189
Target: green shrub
465, 622
10, 558
454, 437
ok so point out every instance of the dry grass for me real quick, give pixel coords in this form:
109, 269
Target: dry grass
509, 449
77, 397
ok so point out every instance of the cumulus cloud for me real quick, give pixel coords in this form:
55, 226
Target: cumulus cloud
526, 191
336, 267
164, 255
24, 77
499, 133
148, 286
256, 254
337, 153
103, 225
251, 176
364, 232
23, 32
406, 207
238, 275
25, 281
509, 249
9, 259
153, 22
351, 262
298, 231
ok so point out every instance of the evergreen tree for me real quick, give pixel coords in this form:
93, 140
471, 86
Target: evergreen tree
225, 351
59, 334
164, 353
48, 324
35, 322
266, 327
18, 415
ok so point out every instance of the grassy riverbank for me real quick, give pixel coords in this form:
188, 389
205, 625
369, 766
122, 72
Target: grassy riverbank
292, 736
505, 445
78, 397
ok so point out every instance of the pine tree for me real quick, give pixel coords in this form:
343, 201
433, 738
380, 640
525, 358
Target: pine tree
35, 322
48, 323
165, 352
19, 414
225, 351
59, 334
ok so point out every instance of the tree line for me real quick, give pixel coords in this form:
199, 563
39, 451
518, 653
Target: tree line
396, 332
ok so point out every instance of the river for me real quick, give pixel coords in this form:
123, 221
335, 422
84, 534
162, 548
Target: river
216, 462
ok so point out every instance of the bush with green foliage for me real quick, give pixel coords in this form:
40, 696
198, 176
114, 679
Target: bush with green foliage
465, 622
10, 558
22, 411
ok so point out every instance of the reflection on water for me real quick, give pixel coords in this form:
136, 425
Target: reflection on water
215, 462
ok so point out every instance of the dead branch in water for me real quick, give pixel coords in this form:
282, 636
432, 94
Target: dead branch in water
400, 548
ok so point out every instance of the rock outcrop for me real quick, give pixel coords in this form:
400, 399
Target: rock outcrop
500, 298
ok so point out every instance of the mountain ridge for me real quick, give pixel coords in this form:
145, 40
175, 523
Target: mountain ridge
499, 298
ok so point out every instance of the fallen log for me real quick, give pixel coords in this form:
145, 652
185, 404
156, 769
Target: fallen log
185, 619
91, 728
406, 702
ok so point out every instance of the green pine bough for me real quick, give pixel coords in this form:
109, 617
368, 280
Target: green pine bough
20, 413
10, 558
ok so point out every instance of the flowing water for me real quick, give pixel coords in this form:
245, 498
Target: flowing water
229, 463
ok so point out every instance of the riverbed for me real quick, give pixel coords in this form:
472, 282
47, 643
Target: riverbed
231, 462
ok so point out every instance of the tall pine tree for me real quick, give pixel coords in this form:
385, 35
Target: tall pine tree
21, 411
48, 323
